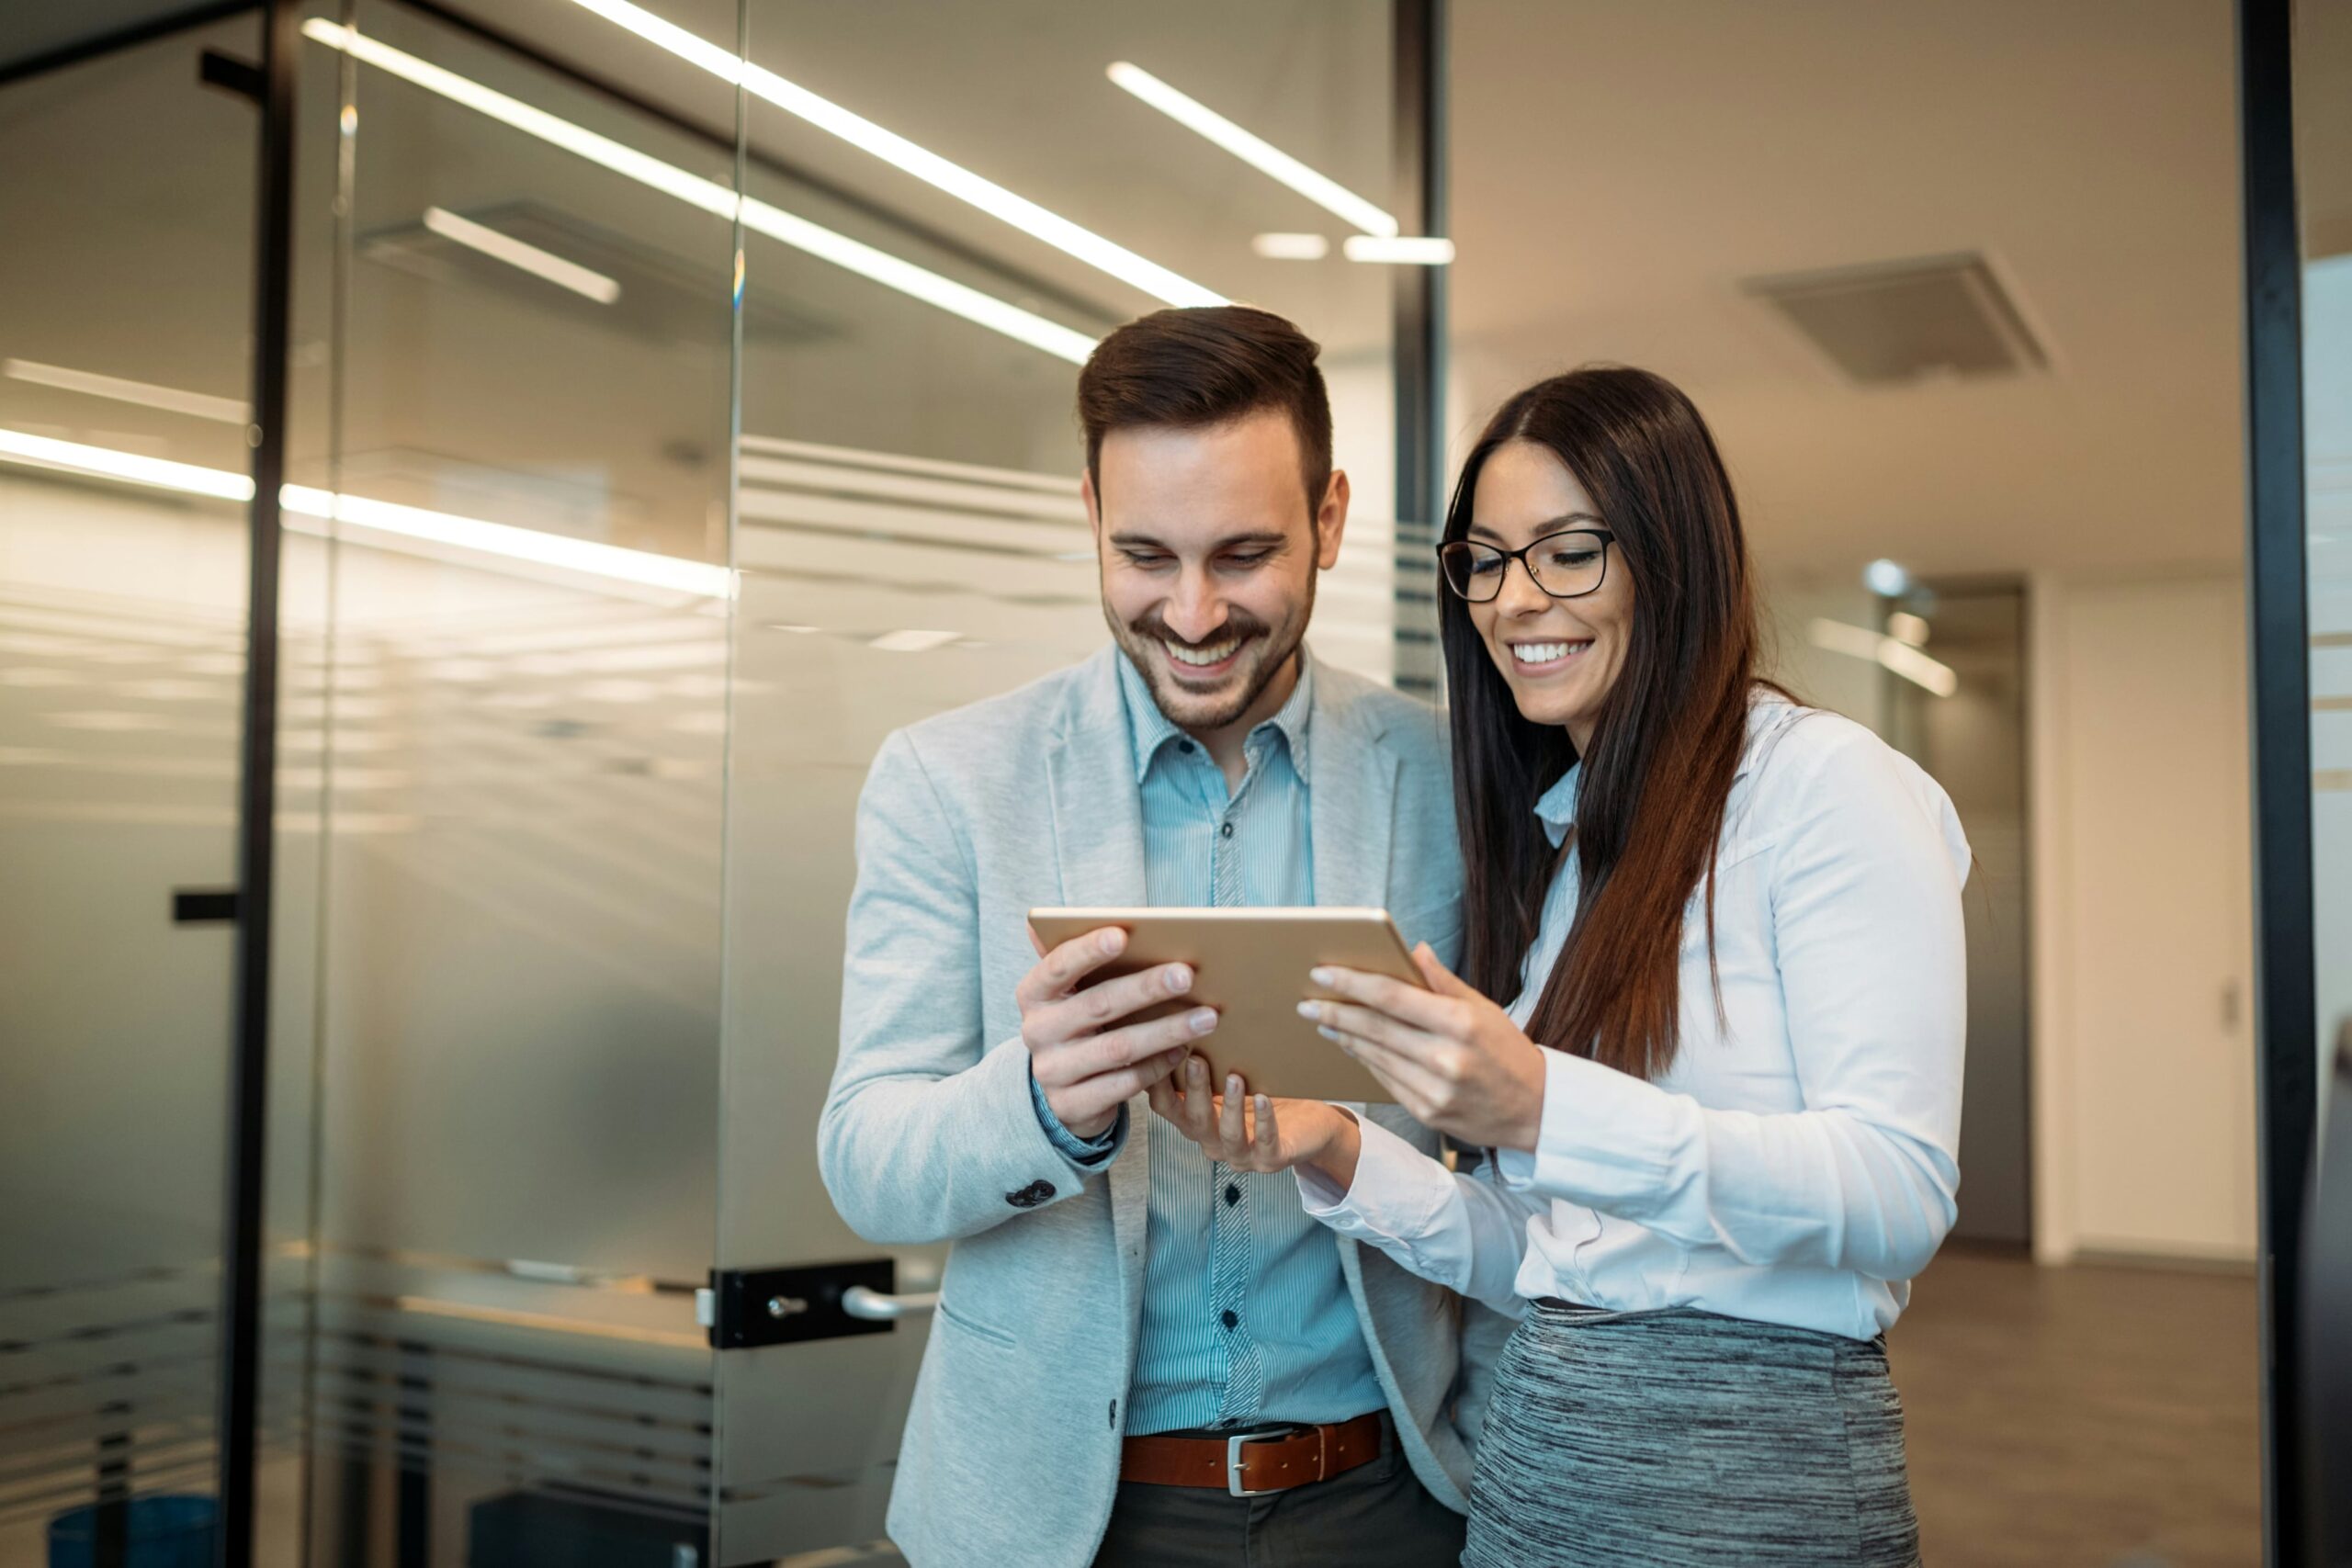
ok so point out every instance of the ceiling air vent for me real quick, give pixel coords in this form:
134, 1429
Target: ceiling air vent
1909, 320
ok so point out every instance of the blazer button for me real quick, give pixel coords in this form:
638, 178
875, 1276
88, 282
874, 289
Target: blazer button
1029, 1196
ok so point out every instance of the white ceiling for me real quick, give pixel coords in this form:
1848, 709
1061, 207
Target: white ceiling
1619, 165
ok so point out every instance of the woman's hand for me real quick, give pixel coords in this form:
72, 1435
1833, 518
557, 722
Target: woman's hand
1451, 1057
1254, 1133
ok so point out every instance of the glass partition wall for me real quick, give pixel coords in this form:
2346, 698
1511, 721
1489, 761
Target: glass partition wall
126, 183
663, 433
909, 535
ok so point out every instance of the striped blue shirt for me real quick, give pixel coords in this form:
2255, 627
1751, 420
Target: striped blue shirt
1247, 1317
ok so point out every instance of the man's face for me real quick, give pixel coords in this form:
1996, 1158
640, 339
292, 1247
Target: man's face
1209, 553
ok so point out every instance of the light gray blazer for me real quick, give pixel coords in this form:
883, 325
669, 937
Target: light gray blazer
969, 820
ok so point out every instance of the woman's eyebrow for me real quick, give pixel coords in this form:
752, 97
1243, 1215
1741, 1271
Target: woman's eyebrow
1551, 525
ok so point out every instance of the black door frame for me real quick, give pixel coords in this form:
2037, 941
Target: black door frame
2279, 664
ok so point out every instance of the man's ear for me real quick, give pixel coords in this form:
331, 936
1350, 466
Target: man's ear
1332, 520
1093, 503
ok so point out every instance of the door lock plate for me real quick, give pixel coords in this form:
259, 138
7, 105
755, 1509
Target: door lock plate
755, 1307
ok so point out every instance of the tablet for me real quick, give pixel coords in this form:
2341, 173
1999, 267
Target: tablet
1250, 965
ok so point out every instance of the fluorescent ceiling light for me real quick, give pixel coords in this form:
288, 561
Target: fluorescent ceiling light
1253, 149
228, 410
1416, 250
920, 162
564, 274
41, 452
560, 550
882, 267
1292, 247
1890, 653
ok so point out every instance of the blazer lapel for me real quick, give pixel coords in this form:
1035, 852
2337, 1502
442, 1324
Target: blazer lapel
1098, 851
1352, 795
1097, 809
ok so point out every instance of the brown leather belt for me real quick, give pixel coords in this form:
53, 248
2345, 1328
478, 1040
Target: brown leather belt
1249, 1464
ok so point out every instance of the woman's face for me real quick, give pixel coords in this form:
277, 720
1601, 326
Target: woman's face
1560, 656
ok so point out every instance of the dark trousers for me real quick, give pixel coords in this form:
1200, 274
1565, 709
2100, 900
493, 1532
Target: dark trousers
1376, 1516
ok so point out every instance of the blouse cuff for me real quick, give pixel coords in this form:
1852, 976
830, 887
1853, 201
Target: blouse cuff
1396, 1195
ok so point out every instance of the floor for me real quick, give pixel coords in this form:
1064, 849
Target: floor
2100, 1416
2082, 1417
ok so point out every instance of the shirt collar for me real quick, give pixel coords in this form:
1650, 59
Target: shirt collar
1558, 809
1150, 729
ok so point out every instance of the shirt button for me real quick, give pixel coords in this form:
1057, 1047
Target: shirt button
1232, 1319
1225, 831
1232, 1193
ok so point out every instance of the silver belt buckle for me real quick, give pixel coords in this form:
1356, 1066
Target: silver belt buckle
1233, 1446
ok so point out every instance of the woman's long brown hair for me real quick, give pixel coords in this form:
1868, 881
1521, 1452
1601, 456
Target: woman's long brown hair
1667, 744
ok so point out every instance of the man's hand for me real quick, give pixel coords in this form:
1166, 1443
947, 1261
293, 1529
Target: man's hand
1255, 1132
1085, 1060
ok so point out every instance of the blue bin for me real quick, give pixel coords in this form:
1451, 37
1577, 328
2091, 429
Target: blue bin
157, 1532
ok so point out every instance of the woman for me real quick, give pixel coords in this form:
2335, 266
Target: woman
1724, 1105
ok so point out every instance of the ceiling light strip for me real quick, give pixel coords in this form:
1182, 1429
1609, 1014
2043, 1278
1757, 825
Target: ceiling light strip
1254, 150
961, 183
1292, 247
203, 405
72, 456
709, 195
1419, 250
560, 550
515, 253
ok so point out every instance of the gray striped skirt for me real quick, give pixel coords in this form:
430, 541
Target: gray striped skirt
1660, 1440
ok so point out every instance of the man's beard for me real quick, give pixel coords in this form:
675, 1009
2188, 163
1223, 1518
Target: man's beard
1143, 639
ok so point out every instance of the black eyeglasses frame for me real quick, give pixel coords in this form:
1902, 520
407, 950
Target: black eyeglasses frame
1520, 555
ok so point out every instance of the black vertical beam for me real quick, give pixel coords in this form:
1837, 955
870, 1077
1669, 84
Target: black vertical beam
412, 1491
1418, 339
240, 1394
2287, 1029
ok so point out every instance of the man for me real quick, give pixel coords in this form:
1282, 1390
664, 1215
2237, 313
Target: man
1116, 1309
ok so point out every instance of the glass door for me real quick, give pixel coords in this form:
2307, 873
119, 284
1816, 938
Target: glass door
514, 695
909, 538
126, 191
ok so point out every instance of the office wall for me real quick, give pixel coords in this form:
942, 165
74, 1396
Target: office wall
2143, 1076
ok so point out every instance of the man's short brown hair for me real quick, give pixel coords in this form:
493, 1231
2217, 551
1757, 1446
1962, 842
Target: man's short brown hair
1201, 366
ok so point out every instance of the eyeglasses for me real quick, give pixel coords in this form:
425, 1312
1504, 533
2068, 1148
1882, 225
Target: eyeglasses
1566, 565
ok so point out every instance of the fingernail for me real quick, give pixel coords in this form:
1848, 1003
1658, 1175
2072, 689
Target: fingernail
1233, 1084
1112, 941
1174, 1057
1179, 977
1198, 1070
1310, 1010
1203, 1020
1324, 977
1265, 1106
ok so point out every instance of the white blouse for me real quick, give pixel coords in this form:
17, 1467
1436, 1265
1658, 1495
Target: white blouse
1796, 1164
